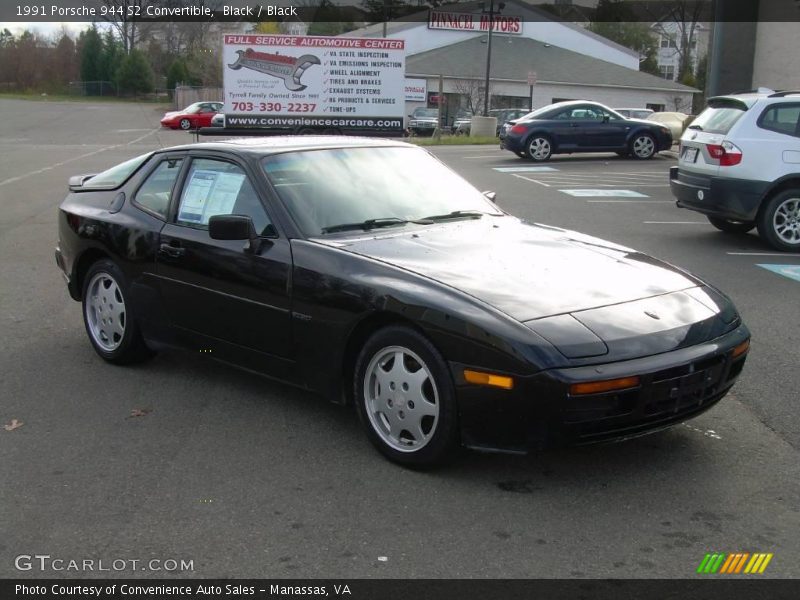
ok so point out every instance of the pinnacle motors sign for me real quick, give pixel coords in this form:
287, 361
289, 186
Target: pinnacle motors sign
456, 21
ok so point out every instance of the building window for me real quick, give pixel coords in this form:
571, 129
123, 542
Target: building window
668, 42
667, 72
655, 107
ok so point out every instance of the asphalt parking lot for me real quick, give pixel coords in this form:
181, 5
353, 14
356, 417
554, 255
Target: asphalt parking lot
185, 459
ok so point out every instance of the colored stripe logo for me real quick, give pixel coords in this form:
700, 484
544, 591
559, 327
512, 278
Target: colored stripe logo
734, 563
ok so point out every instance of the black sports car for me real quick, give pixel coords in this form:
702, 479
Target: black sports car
320, 262
579, 126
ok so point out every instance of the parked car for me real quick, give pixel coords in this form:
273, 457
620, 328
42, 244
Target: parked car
634, 113
320, 262
462, 123
218, 120
193, 116
503, 115
579, 126
739, 165
423, 121
673, 120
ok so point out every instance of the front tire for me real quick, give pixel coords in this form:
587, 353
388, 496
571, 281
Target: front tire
108, 317
729, 226
779, 221
405, 398
643, 146
185, 124
540, 148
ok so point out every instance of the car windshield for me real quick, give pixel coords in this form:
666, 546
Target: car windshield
116, 175
192, 108
323, 189
425, 112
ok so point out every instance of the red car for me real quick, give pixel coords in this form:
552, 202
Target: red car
193, 116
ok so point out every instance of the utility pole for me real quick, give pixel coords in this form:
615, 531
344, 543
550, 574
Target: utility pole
501, 6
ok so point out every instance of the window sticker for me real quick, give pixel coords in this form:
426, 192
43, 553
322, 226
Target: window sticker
209, 193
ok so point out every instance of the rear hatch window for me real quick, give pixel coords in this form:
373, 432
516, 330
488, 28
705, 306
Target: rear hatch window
720, 116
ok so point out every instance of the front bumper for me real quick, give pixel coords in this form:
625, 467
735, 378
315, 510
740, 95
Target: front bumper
723, 197
539, 412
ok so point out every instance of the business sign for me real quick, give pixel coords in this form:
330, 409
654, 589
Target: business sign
416, 89
458, 21
290, 81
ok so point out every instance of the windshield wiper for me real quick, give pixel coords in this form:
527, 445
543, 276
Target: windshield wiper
460, 214
373, 224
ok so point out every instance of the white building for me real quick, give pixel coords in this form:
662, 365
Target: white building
567, 61
676, 40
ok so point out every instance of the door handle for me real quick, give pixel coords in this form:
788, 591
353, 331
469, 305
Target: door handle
171, 251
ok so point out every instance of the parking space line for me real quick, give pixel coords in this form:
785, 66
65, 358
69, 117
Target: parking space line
645, 201
616, 175
583, 193
784, 254
600, 185
524, 169
790, 271
74, 158
529, 179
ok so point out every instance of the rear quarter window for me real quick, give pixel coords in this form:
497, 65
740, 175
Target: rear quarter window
117, 175
782, 118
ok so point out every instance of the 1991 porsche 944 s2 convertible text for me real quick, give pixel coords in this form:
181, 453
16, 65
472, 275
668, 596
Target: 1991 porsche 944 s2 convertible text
446, 321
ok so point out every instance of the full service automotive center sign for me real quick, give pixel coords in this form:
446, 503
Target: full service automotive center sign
288, 81
457, 21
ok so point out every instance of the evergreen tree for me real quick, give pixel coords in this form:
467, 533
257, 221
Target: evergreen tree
177, 73
91, 55
134, 75
111, 57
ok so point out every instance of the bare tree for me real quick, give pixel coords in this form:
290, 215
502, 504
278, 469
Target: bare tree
685, 14
472, 91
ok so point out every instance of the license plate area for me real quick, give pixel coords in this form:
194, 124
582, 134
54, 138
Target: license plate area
690, 154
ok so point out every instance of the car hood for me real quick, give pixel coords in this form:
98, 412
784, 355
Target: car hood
171, 114
525, 270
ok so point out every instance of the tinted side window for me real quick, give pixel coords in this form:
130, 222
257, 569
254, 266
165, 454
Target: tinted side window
216, 187
783, 118
156, 191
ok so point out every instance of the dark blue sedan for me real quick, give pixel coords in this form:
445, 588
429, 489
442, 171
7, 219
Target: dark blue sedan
579, 126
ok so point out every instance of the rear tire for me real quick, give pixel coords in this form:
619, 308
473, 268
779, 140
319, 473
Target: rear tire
779, 221
108, 315
540, 148
729, 226
405, 398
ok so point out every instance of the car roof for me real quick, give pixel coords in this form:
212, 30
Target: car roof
290, 143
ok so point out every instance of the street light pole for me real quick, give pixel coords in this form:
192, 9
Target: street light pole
488, 60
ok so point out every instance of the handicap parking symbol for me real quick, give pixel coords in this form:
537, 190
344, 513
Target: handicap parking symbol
790, 271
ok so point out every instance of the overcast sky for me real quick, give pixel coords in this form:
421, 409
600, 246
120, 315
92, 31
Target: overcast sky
45, 29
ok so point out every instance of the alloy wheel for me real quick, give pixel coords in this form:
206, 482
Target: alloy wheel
539, 148
786, 221
105, 311
401, 399
644, 147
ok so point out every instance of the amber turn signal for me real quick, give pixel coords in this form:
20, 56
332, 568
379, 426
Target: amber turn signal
598, 387
480, 378
741, 349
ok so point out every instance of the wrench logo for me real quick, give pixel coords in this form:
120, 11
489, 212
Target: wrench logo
287, 68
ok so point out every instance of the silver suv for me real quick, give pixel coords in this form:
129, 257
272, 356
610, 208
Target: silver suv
739, 164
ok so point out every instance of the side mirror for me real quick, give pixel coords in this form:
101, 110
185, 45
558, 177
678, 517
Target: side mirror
606, 118
233, 227
492, 196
